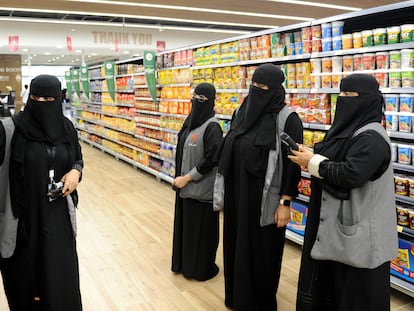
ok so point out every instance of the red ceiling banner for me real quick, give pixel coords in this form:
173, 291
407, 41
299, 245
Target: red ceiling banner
116, 45
69, 43
13, 43
161, 46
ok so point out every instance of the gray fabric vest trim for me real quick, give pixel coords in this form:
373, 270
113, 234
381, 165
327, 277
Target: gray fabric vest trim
274, 172
8, 223
360, 232
193, 152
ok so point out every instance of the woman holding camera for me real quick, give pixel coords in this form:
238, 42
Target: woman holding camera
40, 268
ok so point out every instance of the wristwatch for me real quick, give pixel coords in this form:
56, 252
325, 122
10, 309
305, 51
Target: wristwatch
285, 202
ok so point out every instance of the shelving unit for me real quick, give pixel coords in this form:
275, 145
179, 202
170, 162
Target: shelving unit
144, 107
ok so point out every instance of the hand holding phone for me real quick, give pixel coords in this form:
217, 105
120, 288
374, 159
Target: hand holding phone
287, 140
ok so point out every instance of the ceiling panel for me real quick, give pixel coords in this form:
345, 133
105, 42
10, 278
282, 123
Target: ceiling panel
182, 15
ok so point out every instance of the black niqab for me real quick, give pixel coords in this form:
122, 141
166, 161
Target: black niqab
201, 111
352, 113
43, 120
257, 113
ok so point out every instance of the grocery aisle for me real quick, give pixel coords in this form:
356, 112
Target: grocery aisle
124, 243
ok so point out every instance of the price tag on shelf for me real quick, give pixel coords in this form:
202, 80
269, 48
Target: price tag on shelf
339, 52
400, 229
386, 90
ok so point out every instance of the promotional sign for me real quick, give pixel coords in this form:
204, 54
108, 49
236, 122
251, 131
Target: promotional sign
149, 66
75, 80
110, 78
14, 43
84, 77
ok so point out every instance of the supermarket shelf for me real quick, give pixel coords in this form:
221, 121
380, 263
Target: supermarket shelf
145, 98
404, 199
399, 113
118, 116
406, 231
131, 74
96, 78
118, 104
403, 167
156, 128
164, 114
402, 286
316, 126
175, 99
223, 116
303, 198
305, 174
239, 91
125, 91
176, 84
151, 140
395, 134
128, 160
174, 68
386, 90
334, 73
371, 49
104, 125
294, 237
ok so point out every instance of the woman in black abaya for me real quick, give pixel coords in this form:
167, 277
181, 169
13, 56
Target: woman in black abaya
252, 251
43, 273
196, 225
348, 166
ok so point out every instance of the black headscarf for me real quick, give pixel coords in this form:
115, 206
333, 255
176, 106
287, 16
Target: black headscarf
43, 121
352, 113
258, 112
201, 111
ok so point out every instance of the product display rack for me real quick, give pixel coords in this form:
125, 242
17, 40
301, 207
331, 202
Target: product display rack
391, 15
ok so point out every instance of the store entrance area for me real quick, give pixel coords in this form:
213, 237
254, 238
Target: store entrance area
125, 224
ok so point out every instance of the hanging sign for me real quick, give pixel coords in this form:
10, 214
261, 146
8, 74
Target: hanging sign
110, 78
75, 80
69, 43
84, 77
68, 78
13, 43
149, 66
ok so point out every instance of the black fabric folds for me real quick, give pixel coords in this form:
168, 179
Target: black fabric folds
258, 113
43, 120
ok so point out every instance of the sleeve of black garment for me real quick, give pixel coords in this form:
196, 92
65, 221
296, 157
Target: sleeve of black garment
2, 142
291, 171
367, 158
212, 141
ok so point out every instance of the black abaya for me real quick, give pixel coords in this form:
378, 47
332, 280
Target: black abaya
45, 262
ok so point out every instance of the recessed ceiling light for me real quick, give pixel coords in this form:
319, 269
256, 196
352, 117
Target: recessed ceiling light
25, 50
73, 29
34, 55
78, 51
62, 55
126, 52
47, 53
59, 47
94, 54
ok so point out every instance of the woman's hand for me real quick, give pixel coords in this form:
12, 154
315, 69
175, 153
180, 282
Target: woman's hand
282, 215
71, 181
302, 156
181, 181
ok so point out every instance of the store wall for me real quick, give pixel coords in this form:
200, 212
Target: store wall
10, 73
50, 36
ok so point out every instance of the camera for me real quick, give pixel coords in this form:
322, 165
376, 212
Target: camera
55, 190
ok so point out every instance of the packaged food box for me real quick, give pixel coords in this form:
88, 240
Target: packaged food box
299, 213
403, 265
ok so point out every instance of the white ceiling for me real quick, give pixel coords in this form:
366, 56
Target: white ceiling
216, 15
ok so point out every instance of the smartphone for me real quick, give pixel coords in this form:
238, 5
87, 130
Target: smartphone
287, 140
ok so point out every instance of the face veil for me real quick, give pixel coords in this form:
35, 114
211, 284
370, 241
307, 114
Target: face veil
43, 120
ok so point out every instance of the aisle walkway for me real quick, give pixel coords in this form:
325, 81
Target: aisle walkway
124, 243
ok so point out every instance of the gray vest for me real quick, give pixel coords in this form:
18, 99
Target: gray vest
360, 232
200, 188
8, 223
274, 172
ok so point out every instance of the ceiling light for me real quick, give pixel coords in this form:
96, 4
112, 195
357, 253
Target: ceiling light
318, 4
78, 51
194, 9
76, 22
25, 50
47, 53
59, 47
94, 54
126, 52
